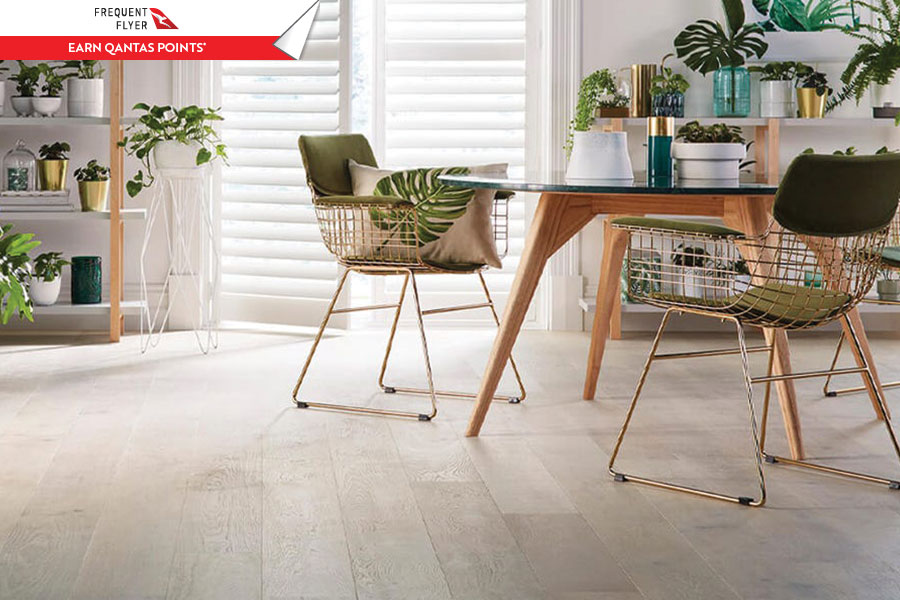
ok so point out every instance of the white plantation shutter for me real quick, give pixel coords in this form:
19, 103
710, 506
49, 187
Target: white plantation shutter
274, 265
453, 94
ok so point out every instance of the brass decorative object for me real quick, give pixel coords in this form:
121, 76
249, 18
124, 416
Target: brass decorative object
52, 175
810, 104
641, 101
94, 195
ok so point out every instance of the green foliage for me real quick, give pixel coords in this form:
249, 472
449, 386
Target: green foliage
719, 133
781, 71
689, 256
706, 46
48, 266
54, 77
814, 79
93, 171
15, 268
437, 205
26, 79
55, 151
165, 123
668, 82
795, 15
597, 90
878, 56
85, 69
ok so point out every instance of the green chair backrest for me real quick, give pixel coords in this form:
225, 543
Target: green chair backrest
835, 196
325, 159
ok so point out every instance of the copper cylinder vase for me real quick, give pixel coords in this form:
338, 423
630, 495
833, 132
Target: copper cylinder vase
641, 101
52, 175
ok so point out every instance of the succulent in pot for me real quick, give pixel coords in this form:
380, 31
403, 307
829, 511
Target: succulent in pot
50, 101
176, 138
84, 92
45, 281
93, 186
776, 87
15, 269
709, 152
812, 94
53, 165
667, 91
26, 79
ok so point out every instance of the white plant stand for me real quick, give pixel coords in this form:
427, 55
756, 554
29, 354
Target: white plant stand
180, 206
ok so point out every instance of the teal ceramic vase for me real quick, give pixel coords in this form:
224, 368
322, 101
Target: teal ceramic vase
87, 281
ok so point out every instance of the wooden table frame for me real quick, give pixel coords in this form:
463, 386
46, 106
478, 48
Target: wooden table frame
559, 216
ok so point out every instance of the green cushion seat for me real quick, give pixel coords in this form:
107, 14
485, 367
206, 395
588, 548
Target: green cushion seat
673, 225
890, 256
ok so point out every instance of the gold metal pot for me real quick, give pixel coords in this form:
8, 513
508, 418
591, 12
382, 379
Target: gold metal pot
640, 89
810, 104
52, 175
94, 195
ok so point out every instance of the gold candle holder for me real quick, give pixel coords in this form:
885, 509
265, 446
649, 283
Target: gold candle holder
640, 89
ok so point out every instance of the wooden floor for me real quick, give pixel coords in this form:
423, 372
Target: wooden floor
177, 475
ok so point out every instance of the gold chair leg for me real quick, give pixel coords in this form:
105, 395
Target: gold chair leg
361, 409
867, 373
389, 389
850, 390
415, 290
390, 343
745, 362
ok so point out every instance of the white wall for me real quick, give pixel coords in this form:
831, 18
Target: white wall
616, 34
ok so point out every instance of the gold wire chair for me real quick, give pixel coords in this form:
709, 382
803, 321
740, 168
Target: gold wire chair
818, 259
353, 231
890, 262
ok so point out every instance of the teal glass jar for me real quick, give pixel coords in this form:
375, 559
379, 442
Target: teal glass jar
87, 281
731, 92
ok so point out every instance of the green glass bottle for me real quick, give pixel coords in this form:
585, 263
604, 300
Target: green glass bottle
660, 135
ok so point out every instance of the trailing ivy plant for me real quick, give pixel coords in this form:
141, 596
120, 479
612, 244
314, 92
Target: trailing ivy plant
781, 71
706, 45
54, 78
55, 151
720, 133
668, 82
597, 90
15, 269
93, 171
85, 69
187, 125
26, 79
49, 265
811, 15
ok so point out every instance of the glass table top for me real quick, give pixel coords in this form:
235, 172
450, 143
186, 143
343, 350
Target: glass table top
557, 182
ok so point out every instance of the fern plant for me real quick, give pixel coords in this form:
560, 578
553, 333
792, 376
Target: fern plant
878, 56
597, 90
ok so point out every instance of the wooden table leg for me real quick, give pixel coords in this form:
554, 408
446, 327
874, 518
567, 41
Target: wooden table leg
558, 217
614, 243
752, 216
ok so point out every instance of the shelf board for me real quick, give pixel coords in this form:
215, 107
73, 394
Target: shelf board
760, 122
128, 307
58, 121
128, 214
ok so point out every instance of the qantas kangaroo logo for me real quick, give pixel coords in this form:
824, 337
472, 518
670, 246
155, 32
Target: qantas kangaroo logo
161, 20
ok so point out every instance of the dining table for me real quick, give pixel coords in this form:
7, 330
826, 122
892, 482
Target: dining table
564, 207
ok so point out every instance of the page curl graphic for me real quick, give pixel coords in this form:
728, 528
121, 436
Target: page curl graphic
293, 40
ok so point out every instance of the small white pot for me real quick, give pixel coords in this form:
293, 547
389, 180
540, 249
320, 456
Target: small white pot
84, 97
175, 155
695, 283
22, 105
886, 95
888, 289
776, 99
46, 106
599, 155
708, 161
44, 293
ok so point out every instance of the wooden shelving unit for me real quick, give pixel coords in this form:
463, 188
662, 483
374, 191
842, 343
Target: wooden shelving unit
116, 308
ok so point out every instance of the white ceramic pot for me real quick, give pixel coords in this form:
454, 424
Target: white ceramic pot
599, 155
886, 95
84, 97
22, 105
46, 106
776, 99
44, 293
708, 161
175, 155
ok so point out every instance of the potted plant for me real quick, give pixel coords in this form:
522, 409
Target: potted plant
707, 46
3, 69
26, 80
84, 91
54, 78
15, 268
667, 91
776, 87
45, 281
812, 93
710, 152
52, 166
876, 61
93, 186
889, 286
693, 272
176, 138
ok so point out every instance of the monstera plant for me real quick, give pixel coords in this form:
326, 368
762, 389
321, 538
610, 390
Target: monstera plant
15, 268
812, 15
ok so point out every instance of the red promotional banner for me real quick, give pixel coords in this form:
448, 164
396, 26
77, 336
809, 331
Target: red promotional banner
142, 48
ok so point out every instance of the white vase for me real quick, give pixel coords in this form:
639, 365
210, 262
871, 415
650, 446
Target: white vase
776, 99
886, 95
599, 155
22, 105
44, 293
695, 283
175, 155
708, 161
84, 97
46, 106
